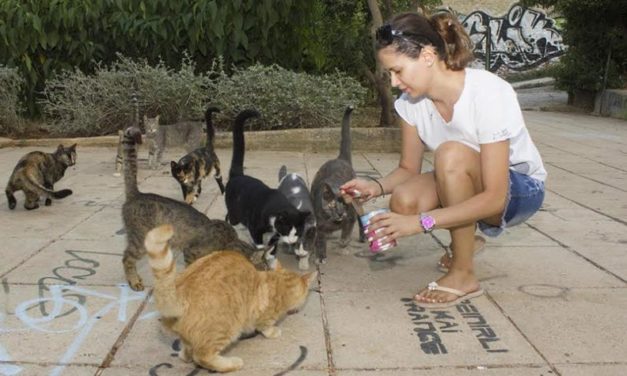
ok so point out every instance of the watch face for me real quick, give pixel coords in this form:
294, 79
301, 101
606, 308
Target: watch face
427, 222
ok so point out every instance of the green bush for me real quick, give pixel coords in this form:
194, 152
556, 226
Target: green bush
288, 99
77, 104
98, 104
10, 85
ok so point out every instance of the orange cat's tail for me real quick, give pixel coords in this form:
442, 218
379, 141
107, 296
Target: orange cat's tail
164, 270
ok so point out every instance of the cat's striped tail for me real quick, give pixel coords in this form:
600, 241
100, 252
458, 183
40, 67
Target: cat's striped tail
211, 132
42, 190
164, 270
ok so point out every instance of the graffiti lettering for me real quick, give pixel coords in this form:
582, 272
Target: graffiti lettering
524, 38
478, 324
430, 341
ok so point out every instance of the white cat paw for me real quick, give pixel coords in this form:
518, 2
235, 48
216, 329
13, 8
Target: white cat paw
271, 332
303, 263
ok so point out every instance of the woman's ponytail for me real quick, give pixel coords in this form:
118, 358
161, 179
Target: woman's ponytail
457, 44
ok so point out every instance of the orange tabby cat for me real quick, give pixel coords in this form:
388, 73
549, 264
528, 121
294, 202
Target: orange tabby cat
219, 297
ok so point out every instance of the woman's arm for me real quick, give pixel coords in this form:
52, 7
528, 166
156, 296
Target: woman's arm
410, 163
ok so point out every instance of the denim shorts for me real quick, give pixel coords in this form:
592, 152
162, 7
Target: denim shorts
524, 199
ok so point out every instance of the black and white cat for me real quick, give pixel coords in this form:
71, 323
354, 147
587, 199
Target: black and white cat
294, 188
261, 209
332, 213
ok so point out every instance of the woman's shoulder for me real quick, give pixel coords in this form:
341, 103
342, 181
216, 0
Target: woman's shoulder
486, 83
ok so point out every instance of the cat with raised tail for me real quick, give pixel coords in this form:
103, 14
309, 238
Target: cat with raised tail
195, 166
332, 213
196, 235
261, 209
218, 298
35, 175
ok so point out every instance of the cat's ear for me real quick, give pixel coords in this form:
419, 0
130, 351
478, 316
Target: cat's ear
72, 148
173, 166
310, 278
60, 148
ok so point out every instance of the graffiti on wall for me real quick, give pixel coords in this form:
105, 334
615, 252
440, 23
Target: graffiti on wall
522, 39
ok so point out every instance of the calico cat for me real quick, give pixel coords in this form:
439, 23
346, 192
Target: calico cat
196, 235
218, 298
294, 188
195, 166
332, 213
258, 207
36, 173
188, 133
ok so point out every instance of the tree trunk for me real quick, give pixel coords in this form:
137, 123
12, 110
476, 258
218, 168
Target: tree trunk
380, 78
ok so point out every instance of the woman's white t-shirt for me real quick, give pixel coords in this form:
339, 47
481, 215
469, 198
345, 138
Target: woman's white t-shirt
487, 111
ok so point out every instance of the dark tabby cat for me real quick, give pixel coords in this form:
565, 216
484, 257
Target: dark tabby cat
36, 173
294, 188
195, 234
195, 166
255, 205
332, 213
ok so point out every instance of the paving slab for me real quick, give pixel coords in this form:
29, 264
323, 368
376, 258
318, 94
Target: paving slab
556, 286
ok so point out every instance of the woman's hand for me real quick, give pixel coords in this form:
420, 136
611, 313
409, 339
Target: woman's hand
392, 226
367, 190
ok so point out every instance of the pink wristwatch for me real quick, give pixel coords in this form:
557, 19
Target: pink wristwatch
427, 222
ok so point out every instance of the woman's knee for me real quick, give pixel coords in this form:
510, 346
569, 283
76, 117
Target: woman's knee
453, 158
403, 200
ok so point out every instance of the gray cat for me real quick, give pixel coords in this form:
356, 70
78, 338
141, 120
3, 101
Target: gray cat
194, 234
294, 188
36, 173
332, 213
187, 133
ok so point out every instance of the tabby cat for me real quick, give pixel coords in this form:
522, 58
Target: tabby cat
294, 188
195, 166
332, 213
196, 235
35, 175
218, 298
260, 208
188, 133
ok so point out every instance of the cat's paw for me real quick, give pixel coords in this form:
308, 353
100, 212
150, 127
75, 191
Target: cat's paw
321, 261
303, 263
136, 284
272, 332
185, 354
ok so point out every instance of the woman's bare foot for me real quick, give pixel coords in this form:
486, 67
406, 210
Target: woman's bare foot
445, 260
464, 281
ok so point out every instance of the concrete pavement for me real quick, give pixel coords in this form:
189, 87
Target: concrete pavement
556, 286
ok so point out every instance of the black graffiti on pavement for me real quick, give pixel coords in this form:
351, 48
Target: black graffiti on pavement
431, 325
522, 39
73, 269
479, 325
424, 329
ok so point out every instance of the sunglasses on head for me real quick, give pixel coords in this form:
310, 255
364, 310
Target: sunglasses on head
385, 36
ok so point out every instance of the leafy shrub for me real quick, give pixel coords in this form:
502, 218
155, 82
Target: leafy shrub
287, 99
10, 84
79, 104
